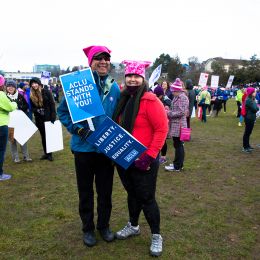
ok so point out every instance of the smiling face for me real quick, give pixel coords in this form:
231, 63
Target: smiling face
35, 86
133, 80
101, 64
10, 89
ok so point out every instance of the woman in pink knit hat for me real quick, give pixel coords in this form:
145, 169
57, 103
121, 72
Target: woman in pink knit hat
177, 118
142, 114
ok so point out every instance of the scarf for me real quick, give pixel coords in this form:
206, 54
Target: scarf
128, 107
13, 97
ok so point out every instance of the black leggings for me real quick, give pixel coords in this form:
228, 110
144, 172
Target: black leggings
141, 187
164, 149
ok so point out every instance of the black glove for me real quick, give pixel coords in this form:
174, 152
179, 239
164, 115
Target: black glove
84, 133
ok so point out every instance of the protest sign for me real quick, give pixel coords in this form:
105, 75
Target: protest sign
54, 138
214, 81
203, 79
24, 128
155, 76
81, 95
230, 80
45, 77
116, 143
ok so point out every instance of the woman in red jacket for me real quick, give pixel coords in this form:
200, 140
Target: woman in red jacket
142, 114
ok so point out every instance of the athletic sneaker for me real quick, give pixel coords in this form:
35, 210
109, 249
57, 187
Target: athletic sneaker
4, 177
156, 245
128, 231
162, 160
246, 150
239, 124
171, 168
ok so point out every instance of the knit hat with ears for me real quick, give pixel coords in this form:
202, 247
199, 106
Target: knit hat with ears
91, 51
136, 67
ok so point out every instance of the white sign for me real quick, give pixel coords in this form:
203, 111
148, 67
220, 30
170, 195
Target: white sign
155, 76
230, 80
203, 79
54, 138
24, 128
214, 81
45, 77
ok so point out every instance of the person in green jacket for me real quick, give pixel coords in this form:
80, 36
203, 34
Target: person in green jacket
204, 100
6, 106
250, 117
239, 96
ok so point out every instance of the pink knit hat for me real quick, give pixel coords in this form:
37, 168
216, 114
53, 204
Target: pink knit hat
250, 90
91, 51
2, 80
136, 67
176, 85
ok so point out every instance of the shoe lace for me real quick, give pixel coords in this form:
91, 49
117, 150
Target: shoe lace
156, 243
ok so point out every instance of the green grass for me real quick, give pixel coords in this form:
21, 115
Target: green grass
209, 211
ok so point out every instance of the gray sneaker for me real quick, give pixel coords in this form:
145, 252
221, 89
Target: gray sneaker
156, 245
128, 231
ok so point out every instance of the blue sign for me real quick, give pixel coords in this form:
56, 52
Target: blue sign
81, 95
116, 143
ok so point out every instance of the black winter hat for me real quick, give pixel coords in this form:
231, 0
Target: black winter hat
35, 80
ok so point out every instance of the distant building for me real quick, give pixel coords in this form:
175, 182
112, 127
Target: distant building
46, 67
227, 63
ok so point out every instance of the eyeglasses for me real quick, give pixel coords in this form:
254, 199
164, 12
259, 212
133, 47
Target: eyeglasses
101, 57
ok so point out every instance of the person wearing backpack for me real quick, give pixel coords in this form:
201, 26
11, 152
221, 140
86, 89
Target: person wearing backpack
250, 116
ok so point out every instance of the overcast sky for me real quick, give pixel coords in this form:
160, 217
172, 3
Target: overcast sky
56, 31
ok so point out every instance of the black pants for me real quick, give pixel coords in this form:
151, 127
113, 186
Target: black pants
224, 105
40, 125
141, 187
88, 166
238, 109
179, 153
164, 149
204, 113
249, 125
188, 121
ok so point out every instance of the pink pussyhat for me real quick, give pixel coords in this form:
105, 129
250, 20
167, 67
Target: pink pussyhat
176, 85
91, 51
136, 67
2, 80
250, 90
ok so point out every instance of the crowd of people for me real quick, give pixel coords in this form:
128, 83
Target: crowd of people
151, 116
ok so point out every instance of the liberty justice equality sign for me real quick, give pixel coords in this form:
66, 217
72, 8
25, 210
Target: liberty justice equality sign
116, 143
81, 94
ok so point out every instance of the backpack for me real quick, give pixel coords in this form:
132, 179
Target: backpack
243, 109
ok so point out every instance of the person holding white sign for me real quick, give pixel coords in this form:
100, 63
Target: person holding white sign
89, 163
13, 94
6, 106
143, 115
43, 108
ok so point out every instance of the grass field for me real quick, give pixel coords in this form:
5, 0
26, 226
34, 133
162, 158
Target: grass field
209, 211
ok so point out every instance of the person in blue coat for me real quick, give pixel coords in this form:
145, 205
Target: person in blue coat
89, 163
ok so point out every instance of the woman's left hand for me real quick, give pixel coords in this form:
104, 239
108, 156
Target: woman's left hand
144, 162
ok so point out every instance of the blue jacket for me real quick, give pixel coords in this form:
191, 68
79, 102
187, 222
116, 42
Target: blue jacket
109, 93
